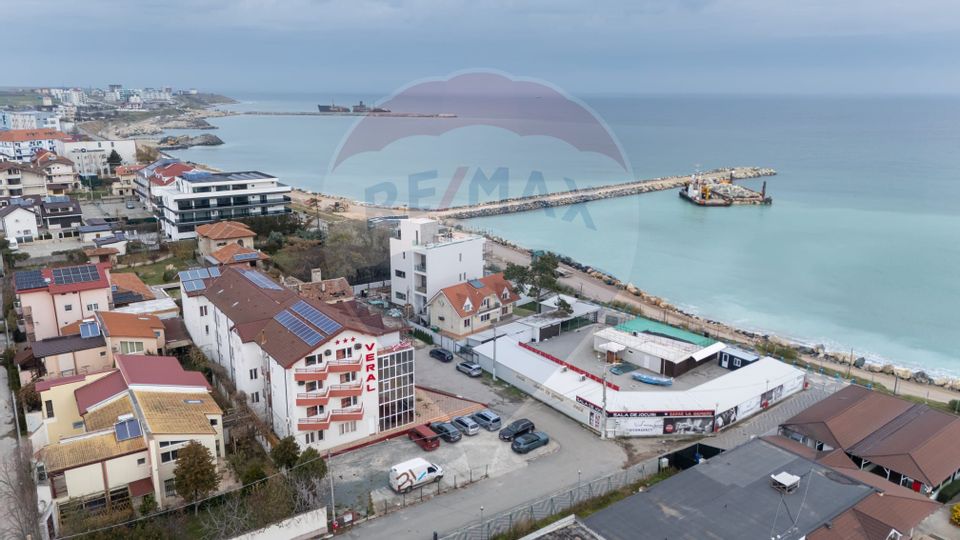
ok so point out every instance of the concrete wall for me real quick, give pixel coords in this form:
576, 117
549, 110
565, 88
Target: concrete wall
84, 480
307, 525
64, 409
71, 363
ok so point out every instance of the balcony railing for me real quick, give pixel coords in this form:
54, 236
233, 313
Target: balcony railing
319, 373
420, 267
321, 422
422, 289
309, 399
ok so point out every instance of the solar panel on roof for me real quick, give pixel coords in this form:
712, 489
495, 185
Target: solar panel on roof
260, 280
317, 318
127, 429
214, 271
29, 279
89, 330
476, 283
193, 285
75, 274
194, 273
298, 328
246, 256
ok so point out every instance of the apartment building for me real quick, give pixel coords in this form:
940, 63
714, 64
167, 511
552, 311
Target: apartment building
28, 120
107, 439
327, 374
59, 173
198, 197
158, 174
52, 298
60, 217
91, 157
425, 257
22, 144
472, 306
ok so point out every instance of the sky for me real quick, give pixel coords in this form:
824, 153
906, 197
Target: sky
628, 46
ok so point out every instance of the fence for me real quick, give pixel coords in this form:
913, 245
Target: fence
445, 342
385, 500
562, 501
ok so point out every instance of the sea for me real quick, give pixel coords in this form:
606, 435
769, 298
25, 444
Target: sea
860, 250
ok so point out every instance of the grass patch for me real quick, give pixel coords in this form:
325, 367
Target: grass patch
586, 508
503, 389
524, 310
152, 274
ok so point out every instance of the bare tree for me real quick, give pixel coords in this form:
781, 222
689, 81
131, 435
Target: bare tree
226, 520
19, 512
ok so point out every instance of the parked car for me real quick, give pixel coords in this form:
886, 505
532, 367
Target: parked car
529, 441
466, 425
487, 419
472, 369
442, 355
425, 438
446, 431
131, 205
516, 428
412, 473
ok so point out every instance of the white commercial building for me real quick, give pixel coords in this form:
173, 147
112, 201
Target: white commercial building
425, 257
90, 157
199, 197
29, 120
327, 374
580, 395
22, 144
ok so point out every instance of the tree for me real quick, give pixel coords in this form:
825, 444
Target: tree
310, 465
196, 474
538, 279
564, 307
114, 160
285, 453
19, 514
269, 502
148, 505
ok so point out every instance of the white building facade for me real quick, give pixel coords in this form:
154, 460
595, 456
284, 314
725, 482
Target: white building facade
29, 120
425, 257
200, 197
90, 157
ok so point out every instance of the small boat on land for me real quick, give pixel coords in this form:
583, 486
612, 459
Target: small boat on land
652, 379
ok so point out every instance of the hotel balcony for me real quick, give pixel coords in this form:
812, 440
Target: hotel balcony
422, 268
319, 373
318, 423
309, 399
422, 289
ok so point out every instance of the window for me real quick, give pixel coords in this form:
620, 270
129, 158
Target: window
93, 307
400, 273
504, 310
49, 405
348, 402
315, 410
131, 347
310, 360
170, 487
466, 323
348, 377
168, 456
203, 311
485, 317
736, 362
206, 329
164, 444
461, 257
400, 296
78, 425
344, 353
213, 421
309, 438
253, 373
142, 461
348, 427
68, 307
255, 397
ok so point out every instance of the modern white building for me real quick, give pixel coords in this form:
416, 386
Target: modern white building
197, 197
19, 222
425, 257
90, 157
327, 374
29, 120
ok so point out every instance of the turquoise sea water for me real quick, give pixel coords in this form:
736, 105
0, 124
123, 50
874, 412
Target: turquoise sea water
861, 248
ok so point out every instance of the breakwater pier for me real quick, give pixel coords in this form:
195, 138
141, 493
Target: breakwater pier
608, 191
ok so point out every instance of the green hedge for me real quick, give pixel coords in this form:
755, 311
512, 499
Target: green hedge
422, 336
949, 491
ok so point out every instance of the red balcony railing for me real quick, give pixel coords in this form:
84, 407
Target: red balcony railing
319, 373
309, 399
317, 423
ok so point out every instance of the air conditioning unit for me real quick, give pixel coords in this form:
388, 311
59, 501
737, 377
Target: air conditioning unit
326, 352
564, 369
301, 383
583, 378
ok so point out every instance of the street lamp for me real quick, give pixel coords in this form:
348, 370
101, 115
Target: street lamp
482, 533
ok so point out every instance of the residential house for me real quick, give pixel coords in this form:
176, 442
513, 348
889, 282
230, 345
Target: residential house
22, 144
128, 288
19, 222
125, 184
119, 433
11, 179
426, 257
59, 173
907, 443
131, 333
197, 198
472, 306
73, 354
52, 298
331, 291
60, 217
327, 374
237, 255
101, 255
214, 236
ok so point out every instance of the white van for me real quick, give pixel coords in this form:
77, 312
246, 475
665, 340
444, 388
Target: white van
414, 473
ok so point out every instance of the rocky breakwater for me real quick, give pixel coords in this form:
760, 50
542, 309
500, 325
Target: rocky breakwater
608, 191
179, 142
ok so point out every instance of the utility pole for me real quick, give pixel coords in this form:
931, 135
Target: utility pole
16, 419
333, 500
603, 413
494, 371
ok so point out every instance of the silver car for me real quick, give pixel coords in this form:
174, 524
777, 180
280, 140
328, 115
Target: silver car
472, 369
466, 425
488, 419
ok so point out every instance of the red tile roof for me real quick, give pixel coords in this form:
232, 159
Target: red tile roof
225, 230
492, 285
134, 325
157, 370
128, 281
99, 391
46, 384
163, 176
23, 135
140, 487
226, 254
128, 169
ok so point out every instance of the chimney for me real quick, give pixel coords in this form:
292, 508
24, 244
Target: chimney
316, 275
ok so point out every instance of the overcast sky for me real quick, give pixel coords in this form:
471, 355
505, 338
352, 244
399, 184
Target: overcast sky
696, 46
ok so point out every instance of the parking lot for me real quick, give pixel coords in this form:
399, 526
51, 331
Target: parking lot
113, 209
361, 475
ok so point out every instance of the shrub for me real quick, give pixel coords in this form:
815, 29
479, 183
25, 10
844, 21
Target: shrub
422, 336
285, 453
949, 491
955, 515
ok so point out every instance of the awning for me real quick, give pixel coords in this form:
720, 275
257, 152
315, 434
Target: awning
708, 351
141, 487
